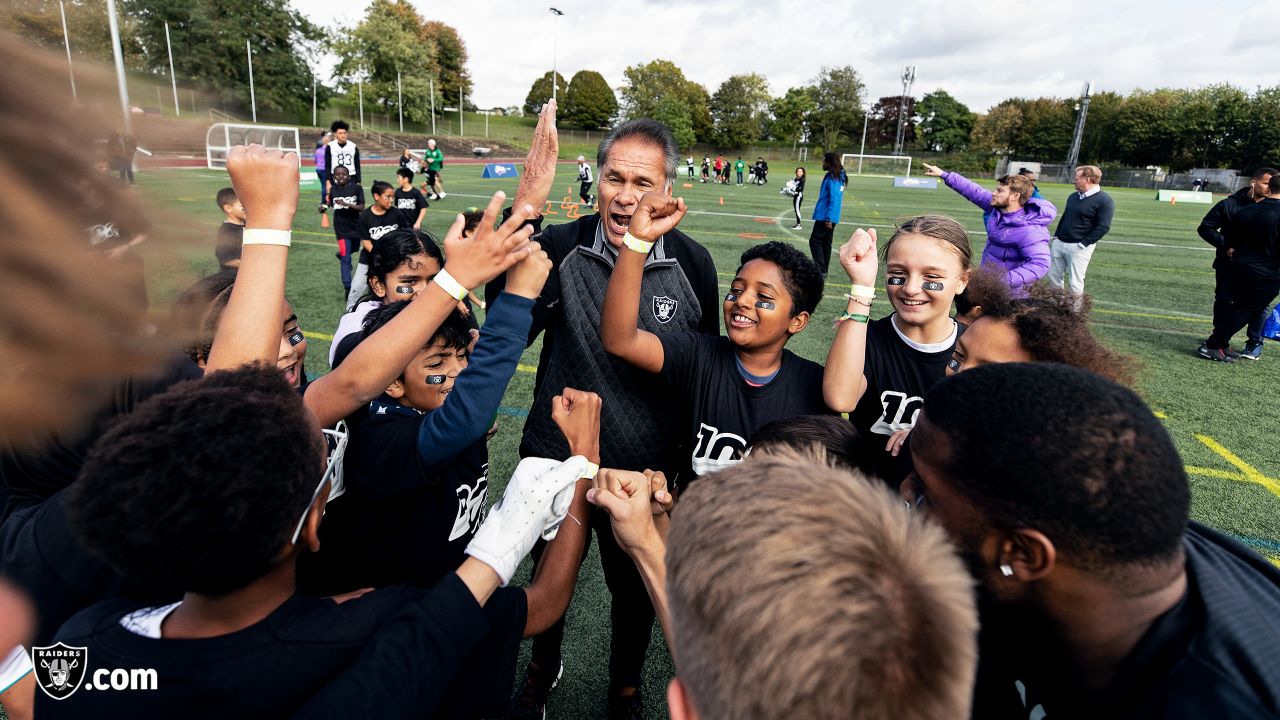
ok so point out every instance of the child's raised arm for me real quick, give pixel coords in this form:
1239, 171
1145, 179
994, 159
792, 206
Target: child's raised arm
656, 214
843, 381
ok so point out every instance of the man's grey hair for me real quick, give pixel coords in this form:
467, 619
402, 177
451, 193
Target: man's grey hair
647, 130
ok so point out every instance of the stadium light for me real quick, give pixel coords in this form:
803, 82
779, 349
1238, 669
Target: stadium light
555, 37
1078, 136
119, 58
172, 77
66, 38
908, 77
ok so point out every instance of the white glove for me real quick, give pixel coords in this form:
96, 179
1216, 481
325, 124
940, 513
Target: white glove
535, 502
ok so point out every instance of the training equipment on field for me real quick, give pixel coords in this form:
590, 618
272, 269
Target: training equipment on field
1271, 328
221, 137
926, 183
499, 170
887, 165
1188, 196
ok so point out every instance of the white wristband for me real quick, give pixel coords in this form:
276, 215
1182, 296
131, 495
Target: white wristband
636, 244
591, 471
259, 236
450, 285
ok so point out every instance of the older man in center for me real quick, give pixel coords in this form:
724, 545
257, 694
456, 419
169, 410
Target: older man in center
638, 429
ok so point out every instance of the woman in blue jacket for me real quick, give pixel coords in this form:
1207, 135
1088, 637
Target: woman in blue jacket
826, 213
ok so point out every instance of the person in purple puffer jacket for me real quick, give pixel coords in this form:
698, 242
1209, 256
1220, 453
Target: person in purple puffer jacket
1017, 229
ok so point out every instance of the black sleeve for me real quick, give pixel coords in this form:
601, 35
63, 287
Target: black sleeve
357, 163
404, 671
1212, 224
549, 299
328, 163
682, 353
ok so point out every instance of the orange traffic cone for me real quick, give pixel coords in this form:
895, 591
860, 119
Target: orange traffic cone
722, 201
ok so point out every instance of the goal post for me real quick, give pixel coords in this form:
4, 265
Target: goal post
221, 137
883, 165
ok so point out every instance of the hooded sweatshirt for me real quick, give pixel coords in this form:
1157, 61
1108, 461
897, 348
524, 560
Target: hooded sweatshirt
1016, 241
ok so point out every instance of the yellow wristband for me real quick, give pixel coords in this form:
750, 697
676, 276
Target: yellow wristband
636, 244
450, 285
590, 472
864, 291
259, 236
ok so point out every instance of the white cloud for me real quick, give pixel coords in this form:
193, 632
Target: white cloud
980, 52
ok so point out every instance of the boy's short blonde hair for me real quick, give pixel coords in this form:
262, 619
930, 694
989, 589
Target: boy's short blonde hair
798, 590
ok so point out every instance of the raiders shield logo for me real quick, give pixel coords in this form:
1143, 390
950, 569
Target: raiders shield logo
664, 308
59, 669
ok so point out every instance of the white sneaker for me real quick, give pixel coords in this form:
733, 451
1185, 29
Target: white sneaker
796, 227
443, 196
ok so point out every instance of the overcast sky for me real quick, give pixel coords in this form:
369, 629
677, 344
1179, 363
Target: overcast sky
979, 51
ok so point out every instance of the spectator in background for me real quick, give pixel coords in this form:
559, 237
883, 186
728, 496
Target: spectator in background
435, 166
826, 212
584, 181
341, 153
689, 164
797, 196
231, 232
1085, 220
1211, 230
320, 169
1253, 249
347, 199
1017, 230
739, 167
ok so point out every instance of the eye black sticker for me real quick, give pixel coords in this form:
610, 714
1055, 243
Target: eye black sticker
953, 365
404, 289
765, 305
893, 280
436, 379
931, 285
731, 297
296, 337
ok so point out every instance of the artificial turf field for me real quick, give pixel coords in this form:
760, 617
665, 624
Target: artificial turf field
1150, 279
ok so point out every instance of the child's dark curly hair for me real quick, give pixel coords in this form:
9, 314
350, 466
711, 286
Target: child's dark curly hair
800, 276
988, 285
1053, 326
200, 488
196, 312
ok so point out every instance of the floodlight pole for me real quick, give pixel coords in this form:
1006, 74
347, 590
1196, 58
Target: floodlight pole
172, 77
432, 83
863, 151
399, 101
360, 94
555, 37
253, 98
461, 107
119, 58
1078, 137
313, 98
908, 77
66, 39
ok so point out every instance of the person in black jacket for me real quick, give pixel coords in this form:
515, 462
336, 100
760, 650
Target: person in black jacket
1253, 273
638, 429
1099, 597
1211, 230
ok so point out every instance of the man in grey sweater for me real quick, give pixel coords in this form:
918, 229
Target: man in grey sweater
1085, 220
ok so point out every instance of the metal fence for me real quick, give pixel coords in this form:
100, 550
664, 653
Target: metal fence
1219, 181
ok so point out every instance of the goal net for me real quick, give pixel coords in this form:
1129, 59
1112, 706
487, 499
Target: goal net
887, 165
224, 136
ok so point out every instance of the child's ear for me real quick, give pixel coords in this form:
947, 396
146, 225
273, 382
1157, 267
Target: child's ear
798, 323
396, 389
377, 287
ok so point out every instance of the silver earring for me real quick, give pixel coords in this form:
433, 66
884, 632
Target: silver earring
1006, 570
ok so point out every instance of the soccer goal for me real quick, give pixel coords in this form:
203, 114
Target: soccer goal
224, 136
886, 165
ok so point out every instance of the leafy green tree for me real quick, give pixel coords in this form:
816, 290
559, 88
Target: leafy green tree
40, 22
998, 131
837, 96
675, 115
389, 40
589, 103
945, 122
1147, 129
540, 92
791, 115
1047, 127
451, 60
651, 83
1099, 141
739, 109
882, 128
209, 37
1262, 147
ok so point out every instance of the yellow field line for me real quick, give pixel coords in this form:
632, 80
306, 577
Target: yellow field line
1156, 316
1251, 473
1215, 473
317, 336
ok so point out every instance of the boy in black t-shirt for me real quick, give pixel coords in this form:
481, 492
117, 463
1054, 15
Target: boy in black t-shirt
231, 232
347, 200
376, 220
409, 200
228, 509
734, 383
